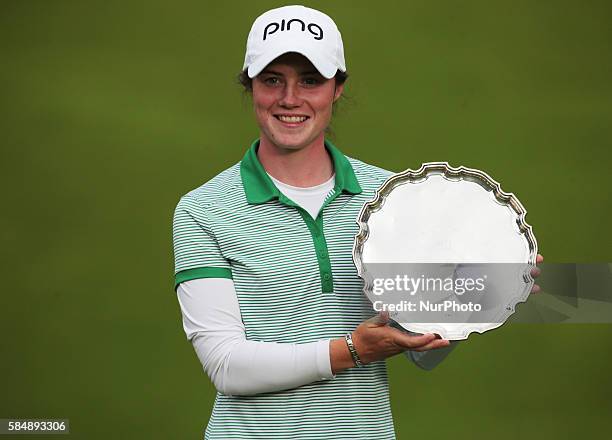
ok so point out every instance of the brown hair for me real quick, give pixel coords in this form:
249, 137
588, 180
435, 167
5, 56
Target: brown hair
247, 83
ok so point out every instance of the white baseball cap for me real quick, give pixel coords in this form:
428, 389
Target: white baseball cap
295, 29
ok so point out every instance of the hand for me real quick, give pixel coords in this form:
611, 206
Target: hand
374, 340
535, 272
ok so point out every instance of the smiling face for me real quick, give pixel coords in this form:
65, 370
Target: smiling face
293, 102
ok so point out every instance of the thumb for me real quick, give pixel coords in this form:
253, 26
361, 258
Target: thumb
379, 320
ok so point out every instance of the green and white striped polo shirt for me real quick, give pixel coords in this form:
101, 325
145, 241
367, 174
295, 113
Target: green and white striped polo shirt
296, 283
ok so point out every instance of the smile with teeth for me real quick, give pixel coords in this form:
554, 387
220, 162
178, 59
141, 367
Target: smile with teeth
291, 119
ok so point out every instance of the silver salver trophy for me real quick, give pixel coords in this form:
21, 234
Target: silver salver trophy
445, 250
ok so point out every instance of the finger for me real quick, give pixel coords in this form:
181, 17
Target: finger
410, 342
535, 289
379, 320
535, 272
539, 259
433, 345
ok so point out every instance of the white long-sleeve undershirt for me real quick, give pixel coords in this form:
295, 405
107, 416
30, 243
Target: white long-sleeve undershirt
235, 365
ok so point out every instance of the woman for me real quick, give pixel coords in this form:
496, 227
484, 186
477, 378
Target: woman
269, 294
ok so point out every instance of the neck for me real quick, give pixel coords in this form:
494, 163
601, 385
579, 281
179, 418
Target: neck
304, 167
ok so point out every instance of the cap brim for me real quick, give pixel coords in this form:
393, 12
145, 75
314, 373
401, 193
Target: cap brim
325, 68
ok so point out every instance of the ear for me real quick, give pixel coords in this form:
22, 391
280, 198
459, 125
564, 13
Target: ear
339, 89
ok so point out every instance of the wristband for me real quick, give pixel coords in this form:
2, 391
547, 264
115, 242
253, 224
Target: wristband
351, 347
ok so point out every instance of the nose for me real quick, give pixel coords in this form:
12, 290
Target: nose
290, 97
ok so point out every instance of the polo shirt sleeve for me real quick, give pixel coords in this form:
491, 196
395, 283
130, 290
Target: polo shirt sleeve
196, 251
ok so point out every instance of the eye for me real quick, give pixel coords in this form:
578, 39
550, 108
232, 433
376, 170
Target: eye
311, 81
271, 80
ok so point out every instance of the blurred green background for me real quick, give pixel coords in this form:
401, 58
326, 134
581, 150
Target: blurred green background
111, 110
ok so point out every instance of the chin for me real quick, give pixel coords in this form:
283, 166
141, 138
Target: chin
291, 142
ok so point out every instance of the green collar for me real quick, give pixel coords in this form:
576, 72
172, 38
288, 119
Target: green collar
259, 188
